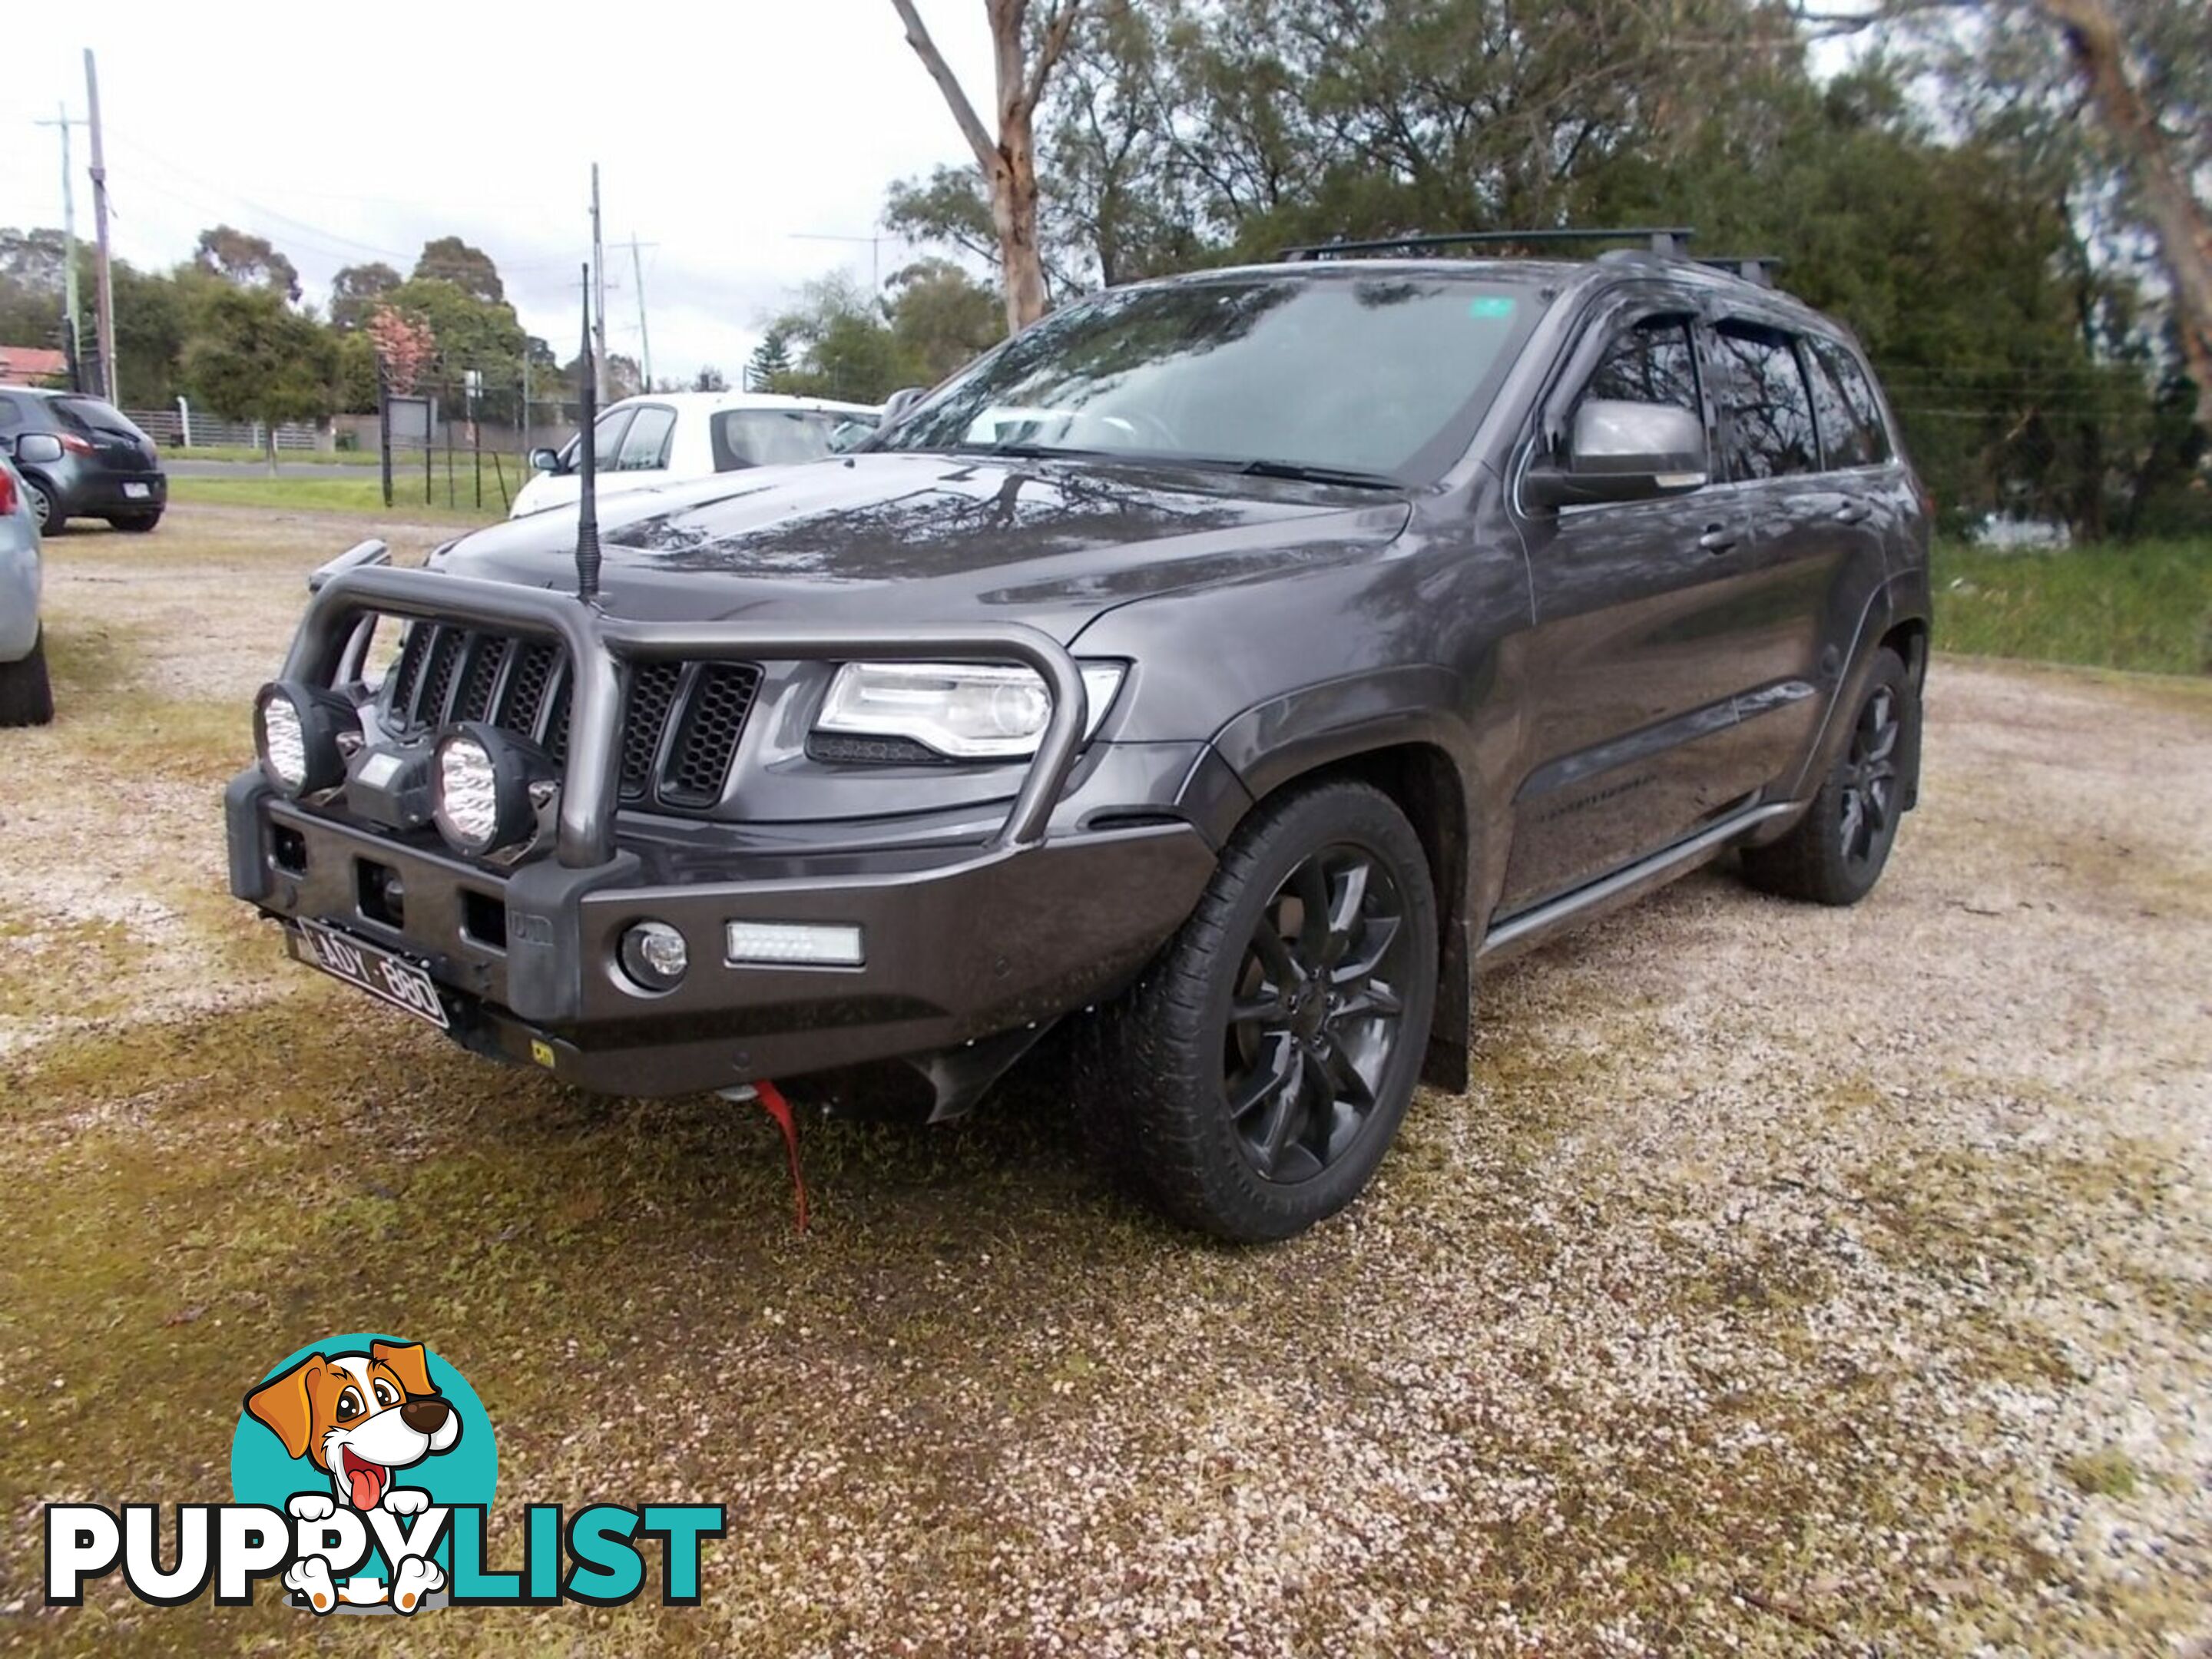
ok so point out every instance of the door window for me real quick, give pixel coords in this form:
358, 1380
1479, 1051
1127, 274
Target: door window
1652, 363
645, 448
606, 440
1766, 412
1852, 430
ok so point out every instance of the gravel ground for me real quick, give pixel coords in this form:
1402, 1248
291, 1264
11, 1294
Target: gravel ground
1789, 1282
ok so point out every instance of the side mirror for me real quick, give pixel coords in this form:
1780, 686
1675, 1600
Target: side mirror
545, 460
1624, 451
901, 401
38, 446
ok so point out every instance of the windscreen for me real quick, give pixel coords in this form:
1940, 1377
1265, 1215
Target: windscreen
775, 437
1383, 373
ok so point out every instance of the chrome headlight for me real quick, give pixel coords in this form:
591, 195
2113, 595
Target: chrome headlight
302, 734
963, 710
488, 789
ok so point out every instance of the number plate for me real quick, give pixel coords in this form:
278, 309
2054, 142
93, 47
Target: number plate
138, 492
383, 976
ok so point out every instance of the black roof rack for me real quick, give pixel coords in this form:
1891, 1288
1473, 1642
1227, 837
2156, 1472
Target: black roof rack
1758, 267
1668, 239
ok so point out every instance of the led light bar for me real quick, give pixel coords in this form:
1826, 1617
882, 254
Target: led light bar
799, 944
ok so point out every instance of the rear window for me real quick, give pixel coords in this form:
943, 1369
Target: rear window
775, 437
1769, 413
91, 415
1851, 430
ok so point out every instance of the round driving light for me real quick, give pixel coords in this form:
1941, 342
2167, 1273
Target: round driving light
654, 956
283, 743
488, 789
298, 731
467, 794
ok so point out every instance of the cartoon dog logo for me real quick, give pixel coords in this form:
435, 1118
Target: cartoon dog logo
360, 1418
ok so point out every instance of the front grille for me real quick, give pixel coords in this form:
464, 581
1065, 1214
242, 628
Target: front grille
681, 722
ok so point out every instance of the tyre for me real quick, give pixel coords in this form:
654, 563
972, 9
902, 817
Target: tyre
136, 523
1252, 1080
1835, 854
43, 507
26, 696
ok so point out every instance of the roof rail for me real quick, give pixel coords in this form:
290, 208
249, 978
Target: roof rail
1668, 239
1758, 267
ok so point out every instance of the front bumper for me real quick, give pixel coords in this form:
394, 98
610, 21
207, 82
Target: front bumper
962, 941
981, 941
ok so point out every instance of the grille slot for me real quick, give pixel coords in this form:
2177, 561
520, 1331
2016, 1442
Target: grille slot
681, 723
706, 741
652, 696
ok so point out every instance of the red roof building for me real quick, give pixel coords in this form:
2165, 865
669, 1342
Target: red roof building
28, 365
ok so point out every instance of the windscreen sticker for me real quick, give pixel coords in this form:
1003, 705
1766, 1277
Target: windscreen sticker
1491, 307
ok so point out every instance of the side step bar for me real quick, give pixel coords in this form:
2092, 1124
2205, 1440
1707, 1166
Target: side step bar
1623, 883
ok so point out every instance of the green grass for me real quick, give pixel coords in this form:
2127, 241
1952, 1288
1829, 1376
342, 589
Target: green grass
363, 496
284, 457
2145, 606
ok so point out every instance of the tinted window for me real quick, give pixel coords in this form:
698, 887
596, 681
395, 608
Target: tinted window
11, 413
775, 437
1379, 373
1767, 415
645, 447
1652, 363
91, 415
1852, 431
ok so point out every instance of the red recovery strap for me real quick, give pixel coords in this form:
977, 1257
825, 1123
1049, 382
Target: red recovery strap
772, 1102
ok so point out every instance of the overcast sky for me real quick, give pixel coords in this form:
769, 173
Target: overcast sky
723, 133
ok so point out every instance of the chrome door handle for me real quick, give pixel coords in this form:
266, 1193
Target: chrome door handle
1717, 538
1854, 512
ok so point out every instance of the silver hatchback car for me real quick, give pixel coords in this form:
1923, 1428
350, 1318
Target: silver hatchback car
26, 698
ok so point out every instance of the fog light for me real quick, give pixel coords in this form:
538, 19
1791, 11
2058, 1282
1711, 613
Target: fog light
297, 732
654, 956
805, 944
488, 789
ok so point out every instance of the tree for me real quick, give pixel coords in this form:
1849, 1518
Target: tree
847, 348
710, 379
770, 363
247, 260
252, 358
2141, 77
1025, 57
355, 291
405, 347
450, 259
942, 317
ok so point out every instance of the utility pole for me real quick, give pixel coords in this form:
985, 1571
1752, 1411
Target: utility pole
599, 336
107, 387
72, 342
644, 344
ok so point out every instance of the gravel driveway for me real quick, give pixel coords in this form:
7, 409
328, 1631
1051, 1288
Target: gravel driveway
1789, 1281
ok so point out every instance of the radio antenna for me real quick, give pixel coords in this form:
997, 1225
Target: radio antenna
588, 515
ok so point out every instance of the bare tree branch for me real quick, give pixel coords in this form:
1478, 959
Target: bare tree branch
971, 125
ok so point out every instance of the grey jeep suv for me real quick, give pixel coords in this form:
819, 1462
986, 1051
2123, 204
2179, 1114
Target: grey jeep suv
1223, 669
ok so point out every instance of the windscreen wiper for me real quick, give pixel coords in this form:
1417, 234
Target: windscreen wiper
1263, 468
